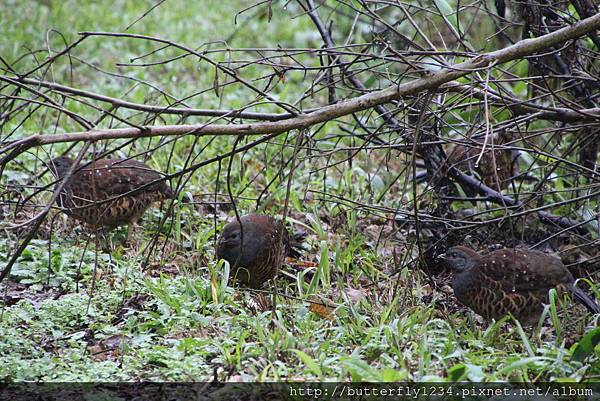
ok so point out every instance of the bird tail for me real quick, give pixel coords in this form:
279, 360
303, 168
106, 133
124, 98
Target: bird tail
295, 247
585, 300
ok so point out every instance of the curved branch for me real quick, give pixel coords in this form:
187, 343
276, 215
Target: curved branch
520, 49
184, 111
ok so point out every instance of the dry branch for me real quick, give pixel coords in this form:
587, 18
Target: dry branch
432, 81
273, 124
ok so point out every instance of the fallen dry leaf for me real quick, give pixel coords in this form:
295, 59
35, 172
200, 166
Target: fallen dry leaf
322, 307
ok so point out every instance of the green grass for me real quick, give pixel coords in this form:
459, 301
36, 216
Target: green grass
81, 315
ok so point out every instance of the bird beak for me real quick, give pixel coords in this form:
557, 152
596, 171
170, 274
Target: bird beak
227, 242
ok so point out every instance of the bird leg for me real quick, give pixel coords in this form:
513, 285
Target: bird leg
273, 301
130, 229
104, 236
129, 242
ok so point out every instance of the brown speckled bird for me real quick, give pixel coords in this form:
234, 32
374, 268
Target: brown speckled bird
257, 248
108, 193
507, 281
496, 168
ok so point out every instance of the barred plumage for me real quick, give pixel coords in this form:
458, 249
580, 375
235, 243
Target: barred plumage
257, 257
496, 168
513, 281
107, 193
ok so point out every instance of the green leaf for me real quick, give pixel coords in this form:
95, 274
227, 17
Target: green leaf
390, 375
524, 339
586, 346
309, 362
520, 363
444, 6
457, 372
553, 302
359, 369
322, 274
448, 13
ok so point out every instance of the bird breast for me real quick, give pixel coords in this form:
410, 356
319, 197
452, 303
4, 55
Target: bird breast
466, 283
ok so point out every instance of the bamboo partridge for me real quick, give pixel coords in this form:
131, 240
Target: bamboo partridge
513, 281
496, 168
256, 248
107, 193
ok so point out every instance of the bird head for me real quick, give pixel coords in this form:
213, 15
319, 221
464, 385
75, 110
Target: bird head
230, 246
60, 166
231, 237
460, 258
